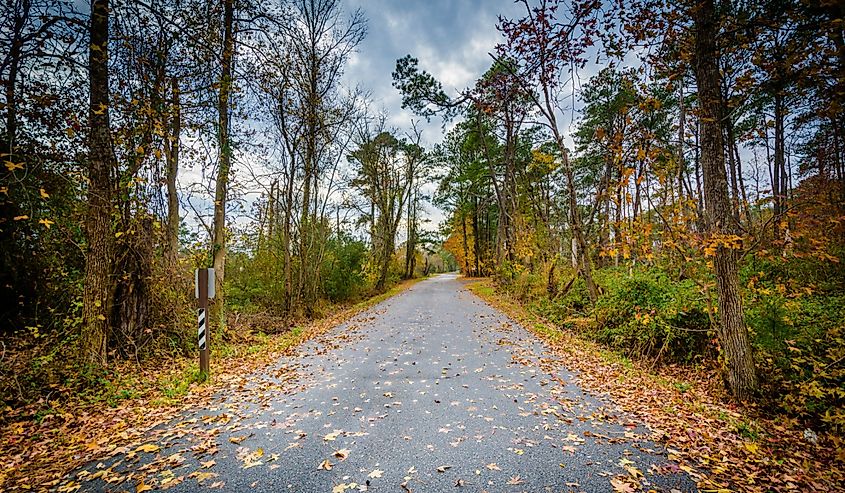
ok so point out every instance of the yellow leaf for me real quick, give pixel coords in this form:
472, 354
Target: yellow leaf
13, 166
332, 436
147, 447
46, 222
142, 487
21, 218
751, 447
44, 194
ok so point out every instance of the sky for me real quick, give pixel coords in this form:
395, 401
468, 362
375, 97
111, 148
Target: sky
451, 39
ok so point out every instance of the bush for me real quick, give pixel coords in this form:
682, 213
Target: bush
646, 314
799, 337
574, 301
343, 269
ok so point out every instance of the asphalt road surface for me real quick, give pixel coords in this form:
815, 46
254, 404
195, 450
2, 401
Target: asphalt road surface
429, 391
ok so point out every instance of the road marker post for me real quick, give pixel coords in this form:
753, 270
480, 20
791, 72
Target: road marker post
203, 290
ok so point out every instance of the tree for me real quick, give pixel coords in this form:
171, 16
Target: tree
319, 42
224, 143
740, 373
99, 265
385, 170
544, 48
419, 162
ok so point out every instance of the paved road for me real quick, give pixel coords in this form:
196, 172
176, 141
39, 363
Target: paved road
430, 391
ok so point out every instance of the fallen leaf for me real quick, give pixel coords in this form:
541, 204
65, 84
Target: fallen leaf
342, 454
621, 486
148, 447
332, 436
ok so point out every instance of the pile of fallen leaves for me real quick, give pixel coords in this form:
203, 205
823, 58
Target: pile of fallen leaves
42, 442
723, 446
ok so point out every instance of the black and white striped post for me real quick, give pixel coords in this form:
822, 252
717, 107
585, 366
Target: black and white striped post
204, 289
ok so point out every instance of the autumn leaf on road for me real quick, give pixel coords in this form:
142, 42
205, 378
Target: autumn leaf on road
149, 448
342, 454
332, 436
515, 480
622, 486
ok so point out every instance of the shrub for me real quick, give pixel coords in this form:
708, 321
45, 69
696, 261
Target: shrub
646, 314
343, 268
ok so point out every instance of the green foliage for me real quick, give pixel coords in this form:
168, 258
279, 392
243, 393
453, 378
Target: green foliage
421, 92
343, 268
795, 311
645, 313
255, 281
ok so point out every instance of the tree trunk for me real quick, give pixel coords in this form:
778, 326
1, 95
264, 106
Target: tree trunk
286, 239
577, 227
465, 239
476, 271
681, 137
740, 373
98, 294
779, 178
11, 90
410, 243
218, 317
171, 150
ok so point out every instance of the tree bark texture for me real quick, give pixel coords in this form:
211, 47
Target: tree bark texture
739, 371
98, 293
